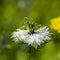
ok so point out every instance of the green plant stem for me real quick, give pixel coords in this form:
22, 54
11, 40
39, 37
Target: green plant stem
29, 53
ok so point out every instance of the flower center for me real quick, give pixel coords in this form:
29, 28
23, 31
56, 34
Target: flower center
31, 32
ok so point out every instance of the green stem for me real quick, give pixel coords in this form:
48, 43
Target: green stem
29, 52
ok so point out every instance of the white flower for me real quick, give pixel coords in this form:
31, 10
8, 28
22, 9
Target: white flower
34, 39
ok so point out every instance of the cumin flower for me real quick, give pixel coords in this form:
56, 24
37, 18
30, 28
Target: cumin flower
55, 24
33, 38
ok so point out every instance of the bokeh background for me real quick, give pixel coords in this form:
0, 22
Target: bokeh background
12, 16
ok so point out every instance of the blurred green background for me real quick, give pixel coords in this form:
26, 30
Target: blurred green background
12, 16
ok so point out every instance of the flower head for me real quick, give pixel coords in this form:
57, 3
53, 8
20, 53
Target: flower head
31, 37
55, 24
